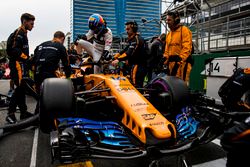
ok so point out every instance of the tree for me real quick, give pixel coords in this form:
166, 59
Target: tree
3, 53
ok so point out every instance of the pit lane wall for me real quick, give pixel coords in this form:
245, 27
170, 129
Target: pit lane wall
215, 69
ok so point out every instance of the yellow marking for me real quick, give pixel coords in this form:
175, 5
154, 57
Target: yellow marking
87, 163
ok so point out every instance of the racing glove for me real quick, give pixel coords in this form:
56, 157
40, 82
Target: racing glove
106, 55
24, 56
160, 64
116, 56
78, 37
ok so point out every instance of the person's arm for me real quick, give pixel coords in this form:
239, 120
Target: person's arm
17, 47
65, 61
89, 34
122, 54
108, 38
130, 49
186, 43
35, 58
166, 52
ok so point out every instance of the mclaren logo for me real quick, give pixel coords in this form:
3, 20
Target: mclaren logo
118, 78
148, 116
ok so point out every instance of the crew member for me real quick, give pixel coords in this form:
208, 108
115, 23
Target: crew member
156, 50
18, 54
134, 53
178, 48
47, 57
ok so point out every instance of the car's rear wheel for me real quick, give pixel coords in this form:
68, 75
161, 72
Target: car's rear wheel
57, 99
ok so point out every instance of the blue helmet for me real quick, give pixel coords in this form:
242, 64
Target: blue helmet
96, 23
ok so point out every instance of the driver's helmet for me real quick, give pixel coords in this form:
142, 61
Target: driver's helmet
96, 23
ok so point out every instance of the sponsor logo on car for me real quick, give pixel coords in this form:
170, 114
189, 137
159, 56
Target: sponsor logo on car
149, 116
139, 104
156, 123
125, 89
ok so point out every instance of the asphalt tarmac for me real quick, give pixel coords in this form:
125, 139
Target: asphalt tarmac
30, 148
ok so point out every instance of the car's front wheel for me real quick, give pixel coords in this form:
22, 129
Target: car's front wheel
57, 99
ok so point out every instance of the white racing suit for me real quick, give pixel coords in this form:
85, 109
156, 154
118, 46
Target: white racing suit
100, 43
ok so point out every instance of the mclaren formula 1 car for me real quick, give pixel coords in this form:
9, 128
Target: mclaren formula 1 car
107, 117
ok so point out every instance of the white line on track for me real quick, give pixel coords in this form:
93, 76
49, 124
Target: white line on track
215, 163
216, 141
34, 149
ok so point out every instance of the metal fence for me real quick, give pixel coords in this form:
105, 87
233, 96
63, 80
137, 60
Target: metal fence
224, 36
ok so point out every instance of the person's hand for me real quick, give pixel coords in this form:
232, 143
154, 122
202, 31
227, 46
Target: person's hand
165, 62
116, 55
180, 62
115, 62
162, 61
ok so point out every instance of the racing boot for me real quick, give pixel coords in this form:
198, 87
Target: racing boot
25, 114
11, 118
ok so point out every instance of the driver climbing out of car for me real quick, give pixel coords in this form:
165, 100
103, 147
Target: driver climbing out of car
47, 57
134, 53
178, 48
102, 40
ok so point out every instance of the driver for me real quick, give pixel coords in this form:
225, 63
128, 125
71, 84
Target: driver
102, 40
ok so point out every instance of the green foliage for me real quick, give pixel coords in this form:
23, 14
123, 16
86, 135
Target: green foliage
3, 53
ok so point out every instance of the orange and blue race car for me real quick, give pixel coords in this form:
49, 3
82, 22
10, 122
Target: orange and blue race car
105, 116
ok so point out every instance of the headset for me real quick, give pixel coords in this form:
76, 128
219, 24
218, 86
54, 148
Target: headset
175, 14
133, 25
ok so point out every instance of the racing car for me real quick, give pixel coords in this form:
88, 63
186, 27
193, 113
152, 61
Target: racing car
110, 118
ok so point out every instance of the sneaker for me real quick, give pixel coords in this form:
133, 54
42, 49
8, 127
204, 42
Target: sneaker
10, 92
11, 119
25, 115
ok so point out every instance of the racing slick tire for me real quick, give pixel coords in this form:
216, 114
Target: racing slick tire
57, 98
171, 93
